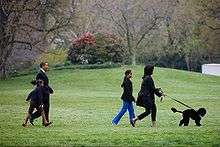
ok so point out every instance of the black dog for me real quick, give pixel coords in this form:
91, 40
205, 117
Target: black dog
191, 113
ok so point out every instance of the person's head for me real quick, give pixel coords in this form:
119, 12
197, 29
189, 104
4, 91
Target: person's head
148, 70
44, 66
128, 74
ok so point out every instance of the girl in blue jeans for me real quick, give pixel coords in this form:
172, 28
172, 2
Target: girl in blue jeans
127, 99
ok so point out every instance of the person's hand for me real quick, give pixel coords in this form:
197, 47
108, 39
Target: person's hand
163, 94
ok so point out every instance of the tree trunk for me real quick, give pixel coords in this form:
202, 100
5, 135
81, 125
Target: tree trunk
3, 74
210, 56
187, 62
134, 59
3, 43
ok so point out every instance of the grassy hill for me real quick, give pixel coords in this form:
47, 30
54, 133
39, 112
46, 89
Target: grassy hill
85, 102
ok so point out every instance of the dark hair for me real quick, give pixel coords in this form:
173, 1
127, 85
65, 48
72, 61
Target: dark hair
148, 70
127, 72
42, 64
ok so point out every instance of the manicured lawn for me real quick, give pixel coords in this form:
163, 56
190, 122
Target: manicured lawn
85, 101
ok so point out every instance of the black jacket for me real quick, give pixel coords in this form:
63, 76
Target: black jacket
146, 96
128, 90
36, 96
47, 89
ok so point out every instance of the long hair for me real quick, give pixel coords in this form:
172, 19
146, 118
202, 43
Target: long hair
148, 70
127, 72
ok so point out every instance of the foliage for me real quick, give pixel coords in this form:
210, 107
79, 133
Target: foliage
62, 66
25, 29
99, 48
53, 57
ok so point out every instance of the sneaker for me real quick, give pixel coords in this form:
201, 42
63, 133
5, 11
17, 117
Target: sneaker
134, 120
47, 124
132, 123
114, 124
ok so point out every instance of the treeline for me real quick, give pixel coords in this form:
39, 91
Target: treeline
181, 34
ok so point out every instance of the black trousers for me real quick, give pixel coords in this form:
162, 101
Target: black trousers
46, 107
152, 110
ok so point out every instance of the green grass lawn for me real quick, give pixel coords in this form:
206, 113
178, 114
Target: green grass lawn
85, 101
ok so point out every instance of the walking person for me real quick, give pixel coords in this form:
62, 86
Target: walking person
146, 97
47, 90
36, 102
127, 99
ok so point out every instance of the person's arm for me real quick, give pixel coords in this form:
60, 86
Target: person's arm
128, 89
50, 90
153, 88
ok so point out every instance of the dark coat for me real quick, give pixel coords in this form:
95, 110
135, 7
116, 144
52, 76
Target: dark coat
128, 90
36, 96
47, 89
146, 96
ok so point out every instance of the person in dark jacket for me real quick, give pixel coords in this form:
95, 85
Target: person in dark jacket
47, 90
36, 102
146, 96
127, 99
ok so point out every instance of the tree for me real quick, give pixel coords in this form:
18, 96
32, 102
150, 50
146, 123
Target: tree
132, 20
27, 24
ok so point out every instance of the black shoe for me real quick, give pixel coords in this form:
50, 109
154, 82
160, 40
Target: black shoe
31, 120
47, 124
132, 123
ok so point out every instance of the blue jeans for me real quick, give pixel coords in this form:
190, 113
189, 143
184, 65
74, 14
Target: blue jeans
126, 106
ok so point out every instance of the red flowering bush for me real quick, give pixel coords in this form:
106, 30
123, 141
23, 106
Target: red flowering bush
85, 39
99, 48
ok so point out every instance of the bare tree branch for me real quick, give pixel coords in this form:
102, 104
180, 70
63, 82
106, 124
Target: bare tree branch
21, 42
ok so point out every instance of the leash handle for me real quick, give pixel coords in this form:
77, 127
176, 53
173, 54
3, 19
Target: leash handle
163, 95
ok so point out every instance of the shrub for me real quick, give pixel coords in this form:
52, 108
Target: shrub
96, 49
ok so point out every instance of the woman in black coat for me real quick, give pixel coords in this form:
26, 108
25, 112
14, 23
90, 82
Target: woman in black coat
146, 96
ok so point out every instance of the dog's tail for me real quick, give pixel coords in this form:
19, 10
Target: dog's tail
174, 110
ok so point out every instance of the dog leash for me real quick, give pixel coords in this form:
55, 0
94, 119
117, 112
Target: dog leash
178, 101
